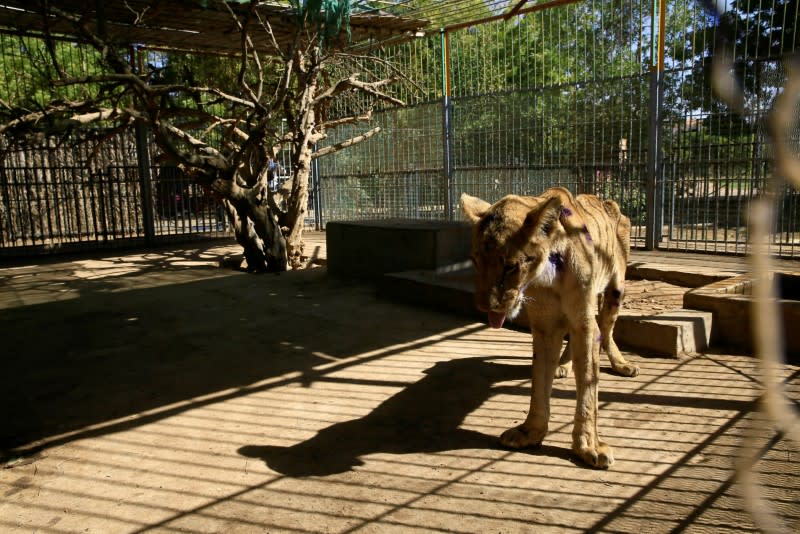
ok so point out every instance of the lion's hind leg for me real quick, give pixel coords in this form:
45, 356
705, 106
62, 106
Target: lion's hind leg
607, 318
564, 363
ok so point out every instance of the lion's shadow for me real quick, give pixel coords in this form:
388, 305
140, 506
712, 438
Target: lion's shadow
423, 417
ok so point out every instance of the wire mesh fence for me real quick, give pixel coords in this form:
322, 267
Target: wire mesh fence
58, 197
612, 98
396, 174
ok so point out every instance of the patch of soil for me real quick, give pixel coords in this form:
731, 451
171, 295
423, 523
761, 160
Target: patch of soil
652, 296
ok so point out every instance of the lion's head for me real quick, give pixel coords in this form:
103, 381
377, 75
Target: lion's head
517, 243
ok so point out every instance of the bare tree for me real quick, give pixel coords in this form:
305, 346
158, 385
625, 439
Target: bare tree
223, 137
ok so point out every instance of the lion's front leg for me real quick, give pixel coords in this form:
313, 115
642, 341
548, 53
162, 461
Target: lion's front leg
586, 366
547, 348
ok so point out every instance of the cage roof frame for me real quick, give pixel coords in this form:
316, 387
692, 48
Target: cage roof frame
185, 25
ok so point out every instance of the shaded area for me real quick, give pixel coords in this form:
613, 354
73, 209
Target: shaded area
109, 350
423, 417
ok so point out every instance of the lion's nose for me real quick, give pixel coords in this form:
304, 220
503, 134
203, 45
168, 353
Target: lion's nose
500, 300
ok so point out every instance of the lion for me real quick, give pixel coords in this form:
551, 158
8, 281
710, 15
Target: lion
563, 258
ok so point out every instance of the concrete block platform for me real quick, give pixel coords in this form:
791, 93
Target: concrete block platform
369, 249
673, 333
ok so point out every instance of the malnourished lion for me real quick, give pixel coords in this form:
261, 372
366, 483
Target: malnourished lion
564, 259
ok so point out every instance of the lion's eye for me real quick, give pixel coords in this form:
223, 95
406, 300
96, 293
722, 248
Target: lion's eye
546, 227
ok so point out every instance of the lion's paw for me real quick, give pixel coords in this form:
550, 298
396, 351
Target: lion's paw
600, 457
562, 371
519, 437
629, 369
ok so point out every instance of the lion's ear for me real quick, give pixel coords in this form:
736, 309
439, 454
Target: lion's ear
544, 217
473, 207
569, 217
557, 211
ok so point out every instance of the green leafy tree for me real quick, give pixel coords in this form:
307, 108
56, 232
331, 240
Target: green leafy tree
220, 119
755, 36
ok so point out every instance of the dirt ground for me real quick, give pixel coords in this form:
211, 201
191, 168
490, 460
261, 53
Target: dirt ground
649, 297
161, 392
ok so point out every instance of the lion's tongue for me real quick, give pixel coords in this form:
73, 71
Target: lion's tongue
496, 319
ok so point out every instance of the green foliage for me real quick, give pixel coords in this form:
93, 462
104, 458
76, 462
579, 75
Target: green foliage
28, 72
756, 35
558, 87
330, 17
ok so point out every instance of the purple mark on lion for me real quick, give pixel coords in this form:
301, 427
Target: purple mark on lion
566, 212
557, 260
586, 231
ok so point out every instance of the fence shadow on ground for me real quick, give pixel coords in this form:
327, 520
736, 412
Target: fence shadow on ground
423, 417
132, 342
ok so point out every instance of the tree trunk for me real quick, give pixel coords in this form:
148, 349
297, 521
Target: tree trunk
303, 148
255, 226
297, 207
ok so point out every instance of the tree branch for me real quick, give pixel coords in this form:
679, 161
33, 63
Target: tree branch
54, 112
247, 46
353, 82
346, 120
344, 144
208, 163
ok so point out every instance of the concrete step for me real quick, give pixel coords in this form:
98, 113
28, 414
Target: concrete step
678, 274
450, 289
368, 249
673, 333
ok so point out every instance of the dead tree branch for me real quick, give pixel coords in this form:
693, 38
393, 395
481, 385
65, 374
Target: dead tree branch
344, 144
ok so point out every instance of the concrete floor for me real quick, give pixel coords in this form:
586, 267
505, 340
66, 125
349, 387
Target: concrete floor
160, 392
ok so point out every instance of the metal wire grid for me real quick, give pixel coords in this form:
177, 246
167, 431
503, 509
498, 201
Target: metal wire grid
51, 198
27, 70
716, 162
521, 118
522, 115
396, 174
533, 119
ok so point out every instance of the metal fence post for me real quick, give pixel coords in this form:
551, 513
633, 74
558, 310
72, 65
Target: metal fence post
447, 128
655, 168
